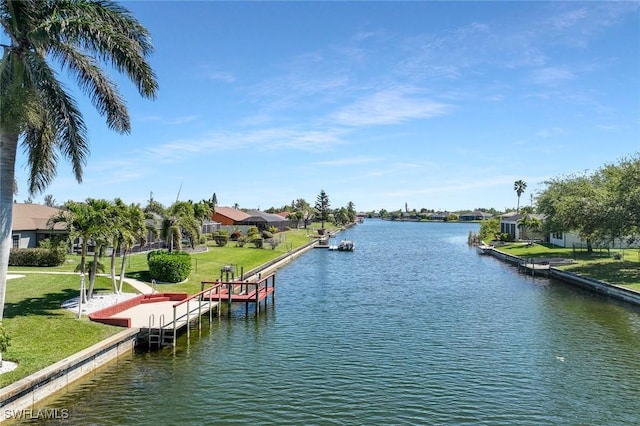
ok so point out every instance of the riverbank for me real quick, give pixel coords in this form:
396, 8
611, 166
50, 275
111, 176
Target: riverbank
597, 286
22, 394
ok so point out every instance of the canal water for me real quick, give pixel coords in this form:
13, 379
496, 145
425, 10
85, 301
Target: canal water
413, 327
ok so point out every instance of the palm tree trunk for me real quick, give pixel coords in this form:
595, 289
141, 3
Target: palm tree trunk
113, 270
8, 146
124, 260
83, 262
94, 271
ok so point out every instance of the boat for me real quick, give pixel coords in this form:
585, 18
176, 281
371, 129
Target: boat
484, 248
346, 245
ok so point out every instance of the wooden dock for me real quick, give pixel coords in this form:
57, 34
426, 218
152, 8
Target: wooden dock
242, 291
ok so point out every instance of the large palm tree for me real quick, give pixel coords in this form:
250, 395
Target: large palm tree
77, 36
130, 228
519, 186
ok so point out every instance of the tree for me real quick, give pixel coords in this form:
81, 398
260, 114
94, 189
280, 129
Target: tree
519, 186
78, 36
131, 228
574, 203
82, 222
351, 211
322, 206
102, 225
180, 221
303, 211
49, 200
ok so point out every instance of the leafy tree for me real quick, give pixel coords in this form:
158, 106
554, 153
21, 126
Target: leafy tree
76, 35
341, 216
351, 211
519, 186
489, 229
322, 206
574, 203
303, 211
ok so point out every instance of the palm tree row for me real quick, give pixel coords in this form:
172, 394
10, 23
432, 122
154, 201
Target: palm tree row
103, 224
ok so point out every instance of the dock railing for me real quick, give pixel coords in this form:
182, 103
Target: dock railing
180, 319
244, 291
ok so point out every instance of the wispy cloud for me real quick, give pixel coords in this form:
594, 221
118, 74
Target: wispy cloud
260, 140
182, 120
552, 132
225, 77
348, 161
389, 106
551, 76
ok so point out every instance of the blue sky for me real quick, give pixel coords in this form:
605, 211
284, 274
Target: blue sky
441, 105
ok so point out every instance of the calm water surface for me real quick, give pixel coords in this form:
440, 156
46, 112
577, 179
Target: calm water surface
412, 328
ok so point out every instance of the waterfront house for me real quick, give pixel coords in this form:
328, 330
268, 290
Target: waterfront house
228, 216
572, 239
475, 215
31, 225
509, 225
265, 220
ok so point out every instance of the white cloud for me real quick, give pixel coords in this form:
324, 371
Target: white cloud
389, 106
551, 76
348, 161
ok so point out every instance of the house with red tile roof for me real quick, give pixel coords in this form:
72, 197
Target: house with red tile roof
228, 215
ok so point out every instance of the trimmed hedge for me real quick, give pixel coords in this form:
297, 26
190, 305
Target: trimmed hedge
169, 267
37, 257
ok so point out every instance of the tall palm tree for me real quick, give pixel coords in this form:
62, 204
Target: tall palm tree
102, 231
519, 186
131, 228
77, 36
77, 218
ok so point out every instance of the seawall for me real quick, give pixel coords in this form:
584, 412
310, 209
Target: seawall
617, 292
26, 392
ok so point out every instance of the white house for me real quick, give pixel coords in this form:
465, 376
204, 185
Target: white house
509, 225
572, 239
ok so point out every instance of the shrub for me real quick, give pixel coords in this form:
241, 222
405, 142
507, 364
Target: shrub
273, 242
252, 232
267, 234
506, 237
170, 267
221, 240
242, 241
258, 242
617, 256
153, 253
37, 257
273, 229
236, 234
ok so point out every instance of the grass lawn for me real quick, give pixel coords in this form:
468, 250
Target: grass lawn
600, 265
43, 333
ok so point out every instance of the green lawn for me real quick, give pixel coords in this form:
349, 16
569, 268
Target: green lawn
43, 333
600, 265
